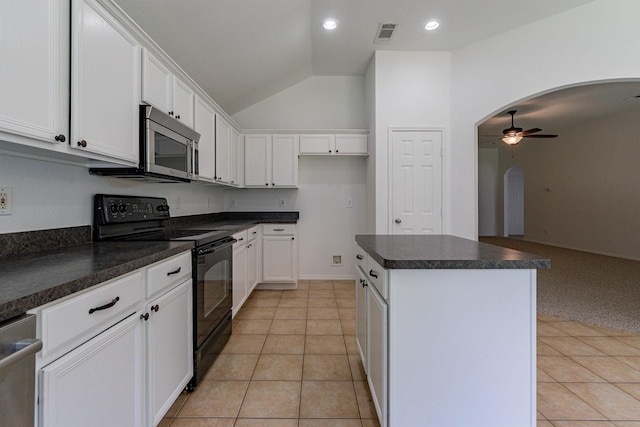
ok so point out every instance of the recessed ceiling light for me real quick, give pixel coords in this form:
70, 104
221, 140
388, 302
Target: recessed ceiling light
431, 25
330, 24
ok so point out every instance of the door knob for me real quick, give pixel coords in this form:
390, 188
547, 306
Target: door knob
398, 220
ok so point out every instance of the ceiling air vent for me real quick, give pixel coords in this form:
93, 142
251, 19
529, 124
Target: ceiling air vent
385, 31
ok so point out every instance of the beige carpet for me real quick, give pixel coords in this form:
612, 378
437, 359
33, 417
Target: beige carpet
586, 287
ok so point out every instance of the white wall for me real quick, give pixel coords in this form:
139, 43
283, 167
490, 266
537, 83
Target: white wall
53, 195
488, 187
567, 49
326, 226
320, 102
581, 189
411, 90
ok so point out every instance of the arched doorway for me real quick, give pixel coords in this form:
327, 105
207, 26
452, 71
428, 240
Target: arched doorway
514, 202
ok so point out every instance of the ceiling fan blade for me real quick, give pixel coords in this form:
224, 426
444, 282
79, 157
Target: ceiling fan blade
539, 136
527, 132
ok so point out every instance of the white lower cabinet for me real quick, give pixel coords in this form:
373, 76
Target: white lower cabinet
98, 384
170, 349
279, 253
240, 293
448, 347
253, 254
372, 317
114, 357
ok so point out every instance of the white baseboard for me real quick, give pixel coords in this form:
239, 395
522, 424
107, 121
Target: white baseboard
344, 277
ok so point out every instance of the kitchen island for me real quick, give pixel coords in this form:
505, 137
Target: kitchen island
446, 329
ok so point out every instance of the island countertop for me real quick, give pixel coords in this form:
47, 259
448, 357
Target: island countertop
402, 251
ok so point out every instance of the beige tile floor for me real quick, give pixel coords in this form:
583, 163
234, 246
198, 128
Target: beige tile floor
292, 362
588, 376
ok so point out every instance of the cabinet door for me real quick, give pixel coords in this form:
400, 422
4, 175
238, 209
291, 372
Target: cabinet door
234, 153
182, 102
351, 144
377, 353
204, 124
361, 318
317, 144
284, 169
98, 384
239, 277
157, 82
35, 68
279, 259
252, 265
257, 160
169, 349
222, 149
105, 78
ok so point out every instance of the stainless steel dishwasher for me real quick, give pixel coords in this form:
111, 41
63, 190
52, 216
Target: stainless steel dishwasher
18, 348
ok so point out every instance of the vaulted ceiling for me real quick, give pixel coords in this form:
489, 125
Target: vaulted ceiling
243, 51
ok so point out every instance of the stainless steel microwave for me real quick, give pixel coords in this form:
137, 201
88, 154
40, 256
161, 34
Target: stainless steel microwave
168, 150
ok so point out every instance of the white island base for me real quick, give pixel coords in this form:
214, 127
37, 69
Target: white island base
462, 348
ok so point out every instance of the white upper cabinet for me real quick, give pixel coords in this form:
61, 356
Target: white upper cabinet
105, 85
157, 82
234, 158
332, 144
162, 89
223, 147
271, 161
204, 124
182, 102
34, 76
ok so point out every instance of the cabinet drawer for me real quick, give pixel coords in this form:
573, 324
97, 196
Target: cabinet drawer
277, 229
377, 276
163, 274
66, 324
252, 233
241, 237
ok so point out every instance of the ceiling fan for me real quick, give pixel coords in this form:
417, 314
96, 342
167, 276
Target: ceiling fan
514, 135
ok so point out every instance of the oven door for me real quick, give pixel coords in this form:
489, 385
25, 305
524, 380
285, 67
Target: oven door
213, 298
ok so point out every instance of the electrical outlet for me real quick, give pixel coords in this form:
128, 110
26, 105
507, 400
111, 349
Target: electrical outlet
349, 202
234, 203
177, 202
282, 203
337, 260
6, 201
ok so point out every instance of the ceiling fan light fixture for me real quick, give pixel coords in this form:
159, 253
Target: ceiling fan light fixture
431, 24
512, 139
330, 24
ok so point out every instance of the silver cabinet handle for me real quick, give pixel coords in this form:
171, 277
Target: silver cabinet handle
278, 229
398, 220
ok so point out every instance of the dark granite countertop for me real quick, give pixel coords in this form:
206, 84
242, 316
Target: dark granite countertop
444, 252
59, 262
28, 281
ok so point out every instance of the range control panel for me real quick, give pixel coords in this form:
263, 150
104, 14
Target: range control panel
109, 209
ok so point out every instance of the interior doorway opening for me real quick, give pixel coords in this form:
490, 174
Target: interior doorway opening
514, 202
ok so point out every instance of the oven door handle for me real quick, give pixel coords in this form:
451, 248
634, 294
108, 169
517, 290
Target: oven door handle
211, 249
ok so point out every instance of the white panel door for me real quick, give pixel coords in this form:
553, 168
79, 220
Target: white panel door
97, 384
204, 124
157, 83
105, 84
34, 74
182, 102
223, 141
416, 182
284, 166
257, 160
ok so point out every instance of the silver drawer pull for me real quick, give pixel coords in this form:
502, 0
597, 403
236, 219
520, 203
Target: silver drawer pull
104, 307
176, 271
278, 229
